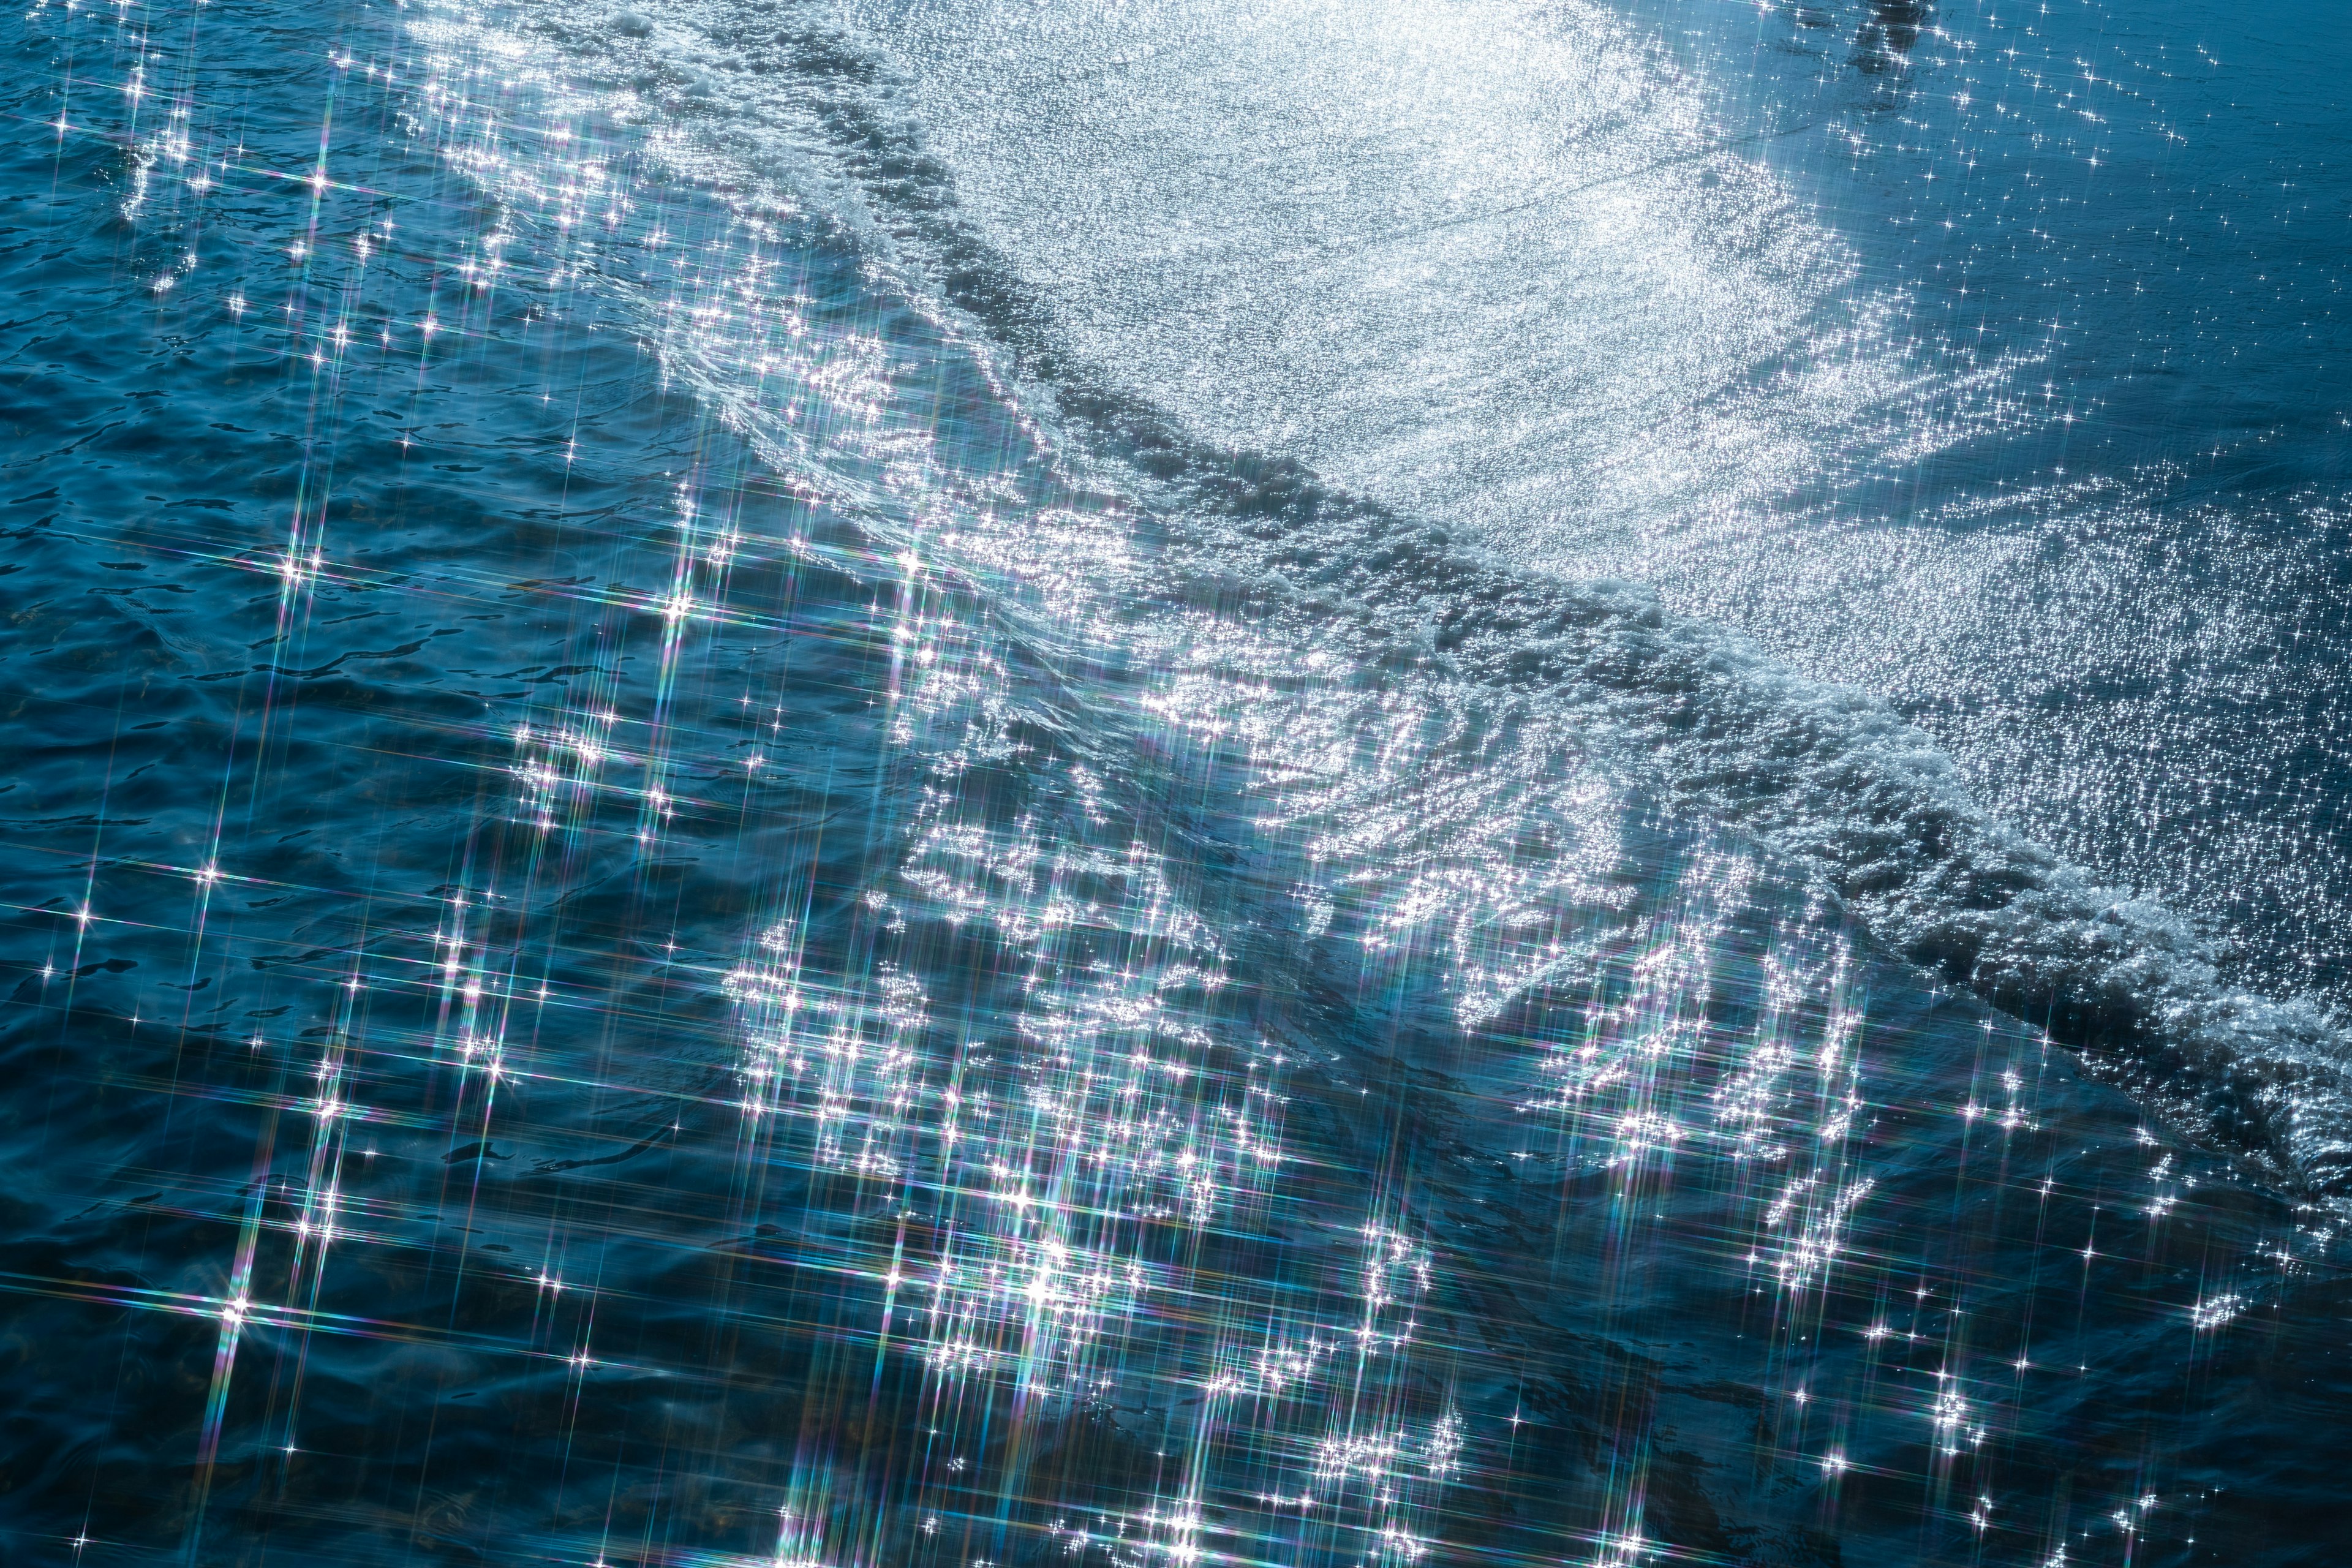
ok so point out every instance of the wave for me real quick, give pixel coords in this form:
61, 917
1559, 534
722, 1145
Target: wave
1033, 985
789, 113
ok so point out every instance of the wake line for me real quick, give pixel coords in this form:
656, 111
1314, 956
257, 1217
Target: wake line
1823, 775
1358, 246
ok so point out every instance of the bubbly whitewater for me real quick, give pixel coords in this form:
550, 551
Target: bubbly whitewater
982, 784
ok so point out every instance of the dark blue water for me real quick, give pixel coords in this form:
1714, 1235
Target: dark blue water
711, 859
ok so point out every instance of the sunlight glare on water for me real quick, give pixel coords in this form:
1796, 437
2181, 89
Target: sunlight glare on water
776, 805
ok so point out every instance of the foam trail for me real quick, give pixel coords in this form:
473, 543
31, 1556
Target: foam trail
795, 110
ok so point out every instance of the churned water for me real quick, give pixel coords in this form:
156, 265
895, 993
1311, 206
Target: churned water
982, 784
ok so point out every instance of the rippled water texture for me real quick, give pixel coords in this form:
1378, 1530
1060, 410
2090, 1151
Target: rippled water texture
771, 801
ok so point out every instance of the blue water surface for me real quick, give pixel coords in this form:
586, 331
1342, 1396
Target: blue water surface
677, 892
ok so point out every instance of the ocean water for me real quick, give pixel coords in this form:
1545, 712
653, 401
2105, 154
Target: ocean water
979, 783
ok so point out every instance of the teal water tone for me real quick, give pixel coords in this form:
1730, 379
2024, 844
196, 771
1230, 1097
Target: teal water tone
982, 784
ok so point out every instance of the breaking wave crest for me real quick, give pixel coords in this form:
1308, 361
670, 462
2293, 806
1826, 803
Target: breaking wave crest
1258, 577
